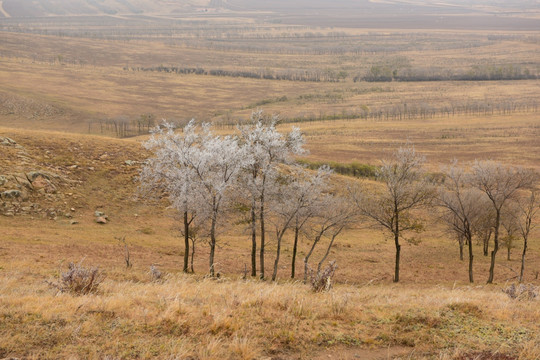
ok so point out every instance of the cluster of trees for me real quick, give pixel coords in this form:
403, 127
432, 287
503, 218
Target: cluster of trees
290, 75
122, 126
206, 177
250, 180
384, 73
489, 200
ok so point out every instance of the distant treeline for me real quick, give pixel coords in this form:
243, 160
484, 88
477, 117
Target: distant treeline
377, 73
291, 75
408, 111
383, 73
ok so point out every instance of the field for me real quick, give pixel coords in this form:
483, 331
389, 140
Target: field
80, 85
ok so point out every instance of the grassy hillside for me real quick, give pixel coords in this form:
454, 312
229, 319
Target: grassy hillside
433, 313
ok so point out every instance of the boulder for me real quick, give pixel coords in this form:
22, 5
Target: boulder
101, 220
33, 175
41, 182
98, 213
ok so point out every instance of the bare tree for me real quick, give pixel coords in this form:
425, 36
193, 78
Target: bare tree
500, 183
297, 192
334, 214
526, 210
463, 207
510, 227
406, 189
484, 228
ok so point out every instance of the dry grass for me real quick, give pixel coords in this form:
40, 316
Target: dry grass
511, 139
206, 319
432, 314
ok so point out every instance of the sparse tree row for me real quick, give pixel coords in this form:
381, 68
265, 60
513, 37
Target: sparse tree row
249, 182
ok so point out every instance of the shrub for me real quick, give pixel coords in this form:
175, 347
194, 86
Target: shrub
522, 291
322, 280
79, 280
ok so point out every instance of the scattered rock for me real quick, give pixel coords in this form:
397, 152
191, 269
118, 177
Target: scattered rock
68, 215
73, 222
101, 220
10, 194
98, 213
73, 167
104, 157
3, 180
131, 162
7, 141
51, 213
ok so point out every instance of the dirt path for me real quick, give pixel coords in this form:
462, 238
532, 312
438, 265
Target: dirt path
4, 12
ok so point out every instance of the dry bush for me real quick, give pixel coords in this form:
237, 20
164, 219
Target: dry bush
522, 291
322, 280
155, 274
79, 280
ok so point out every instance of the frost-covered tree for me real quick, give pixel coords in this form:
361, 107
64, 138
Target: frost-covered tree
265, 148
197, 170
169, 173
216, 166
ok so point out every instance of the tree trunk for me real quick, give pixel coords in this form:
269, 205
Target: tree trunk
495, 247
261, 260
186, 242
486, 243
523, 260
398, 247
253, 240
398, 250
295, 248
509, 249
471, 279
460, 242
276, 262
192, 256
213, 241
327, 251
306, 258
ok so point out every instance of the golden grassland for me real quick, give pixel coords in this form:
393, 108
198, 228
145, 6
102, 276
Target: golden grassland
433, 314
74, 96
81, 80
